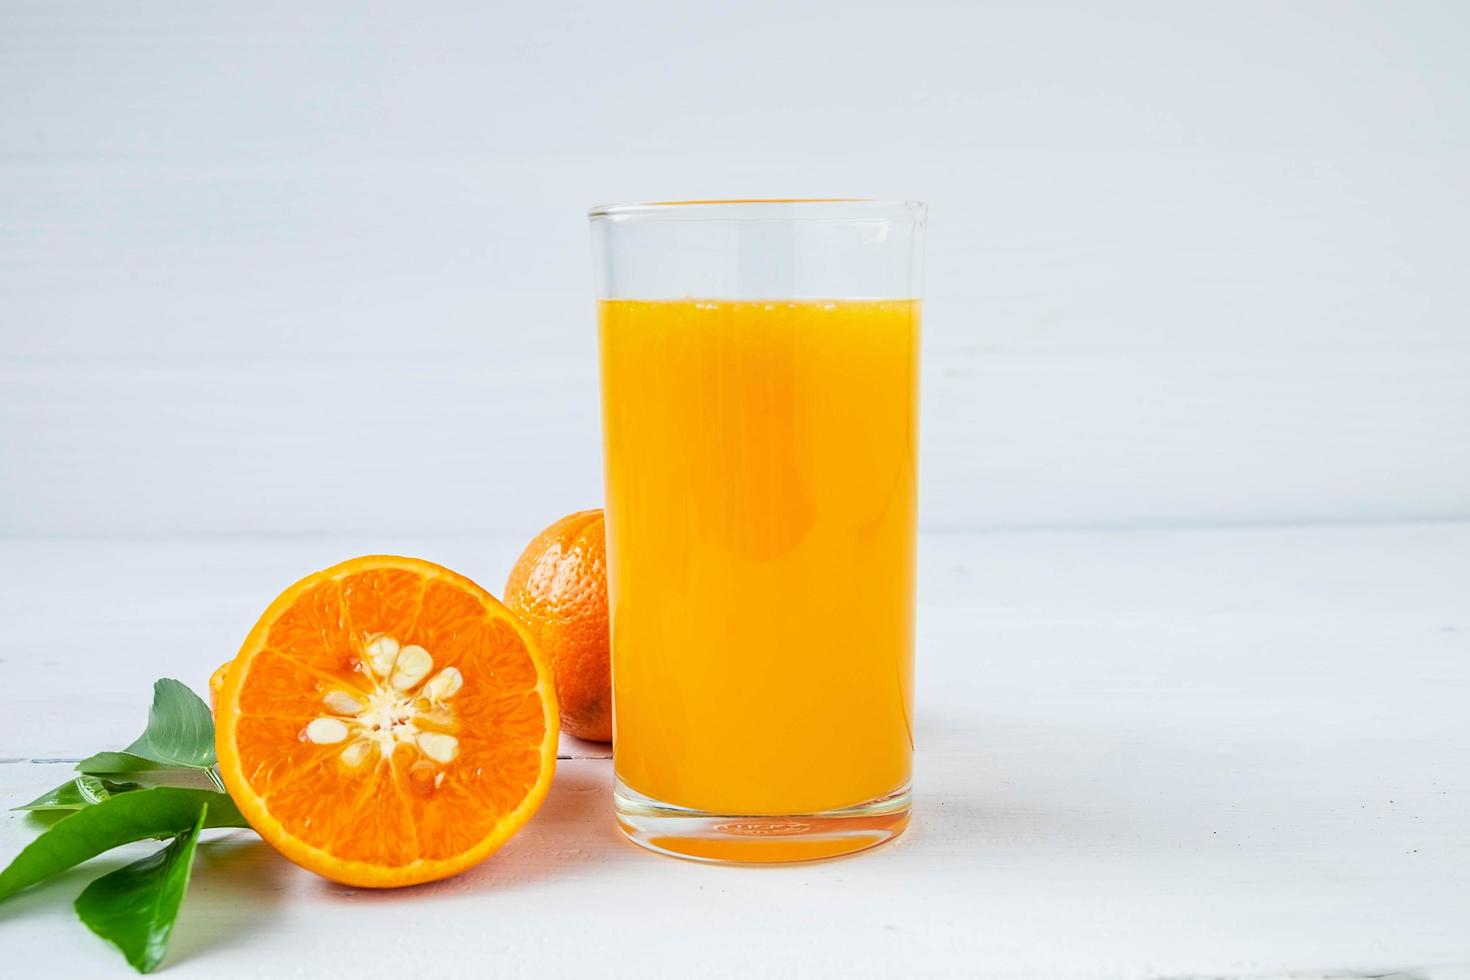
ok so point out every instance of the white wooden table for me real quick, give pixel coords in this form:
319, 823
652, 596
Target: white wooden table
1212, 753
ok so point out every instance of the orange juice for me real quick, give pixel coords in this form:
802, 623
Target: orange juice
761, 496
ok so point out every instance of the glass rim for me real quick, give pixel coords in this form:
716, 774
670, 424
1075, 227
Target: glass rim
765, 209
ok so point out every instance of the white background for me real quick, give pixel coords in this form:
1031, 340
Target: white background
281, 283
287, 267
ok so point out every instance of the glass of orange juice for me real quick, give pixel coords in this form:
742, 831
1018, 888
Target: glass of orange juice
759, 394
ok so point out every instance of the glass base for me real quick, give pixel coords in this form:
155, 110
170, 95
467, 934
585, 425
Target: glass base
740, 839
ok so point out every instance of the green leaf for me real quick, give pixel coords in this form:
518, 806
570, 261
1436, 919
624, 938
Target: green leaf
134, 907
159, 812
180, 732
118, 764
84, 790
124, 768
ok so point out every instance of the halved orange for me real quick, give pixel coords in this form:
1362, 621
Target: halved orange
387, 722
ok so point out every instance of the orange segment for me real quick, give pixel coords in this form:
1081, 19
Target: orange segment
387, 722
217, 682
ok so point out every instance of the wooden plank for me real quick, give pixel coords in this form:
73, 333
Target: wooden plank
241, 260
1143, 754
1055, 851
188, 181
443, 444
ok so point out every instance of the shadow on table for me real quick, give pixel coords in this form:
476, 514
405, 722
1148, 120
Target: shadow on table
237, 887
1000, 784
60, 890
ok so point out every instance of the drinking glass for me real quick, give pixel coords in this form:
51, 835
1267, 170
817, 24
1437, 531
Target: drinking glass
759, 397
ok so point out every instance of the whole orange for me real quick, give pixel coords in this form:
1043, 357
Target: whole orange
558, 588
